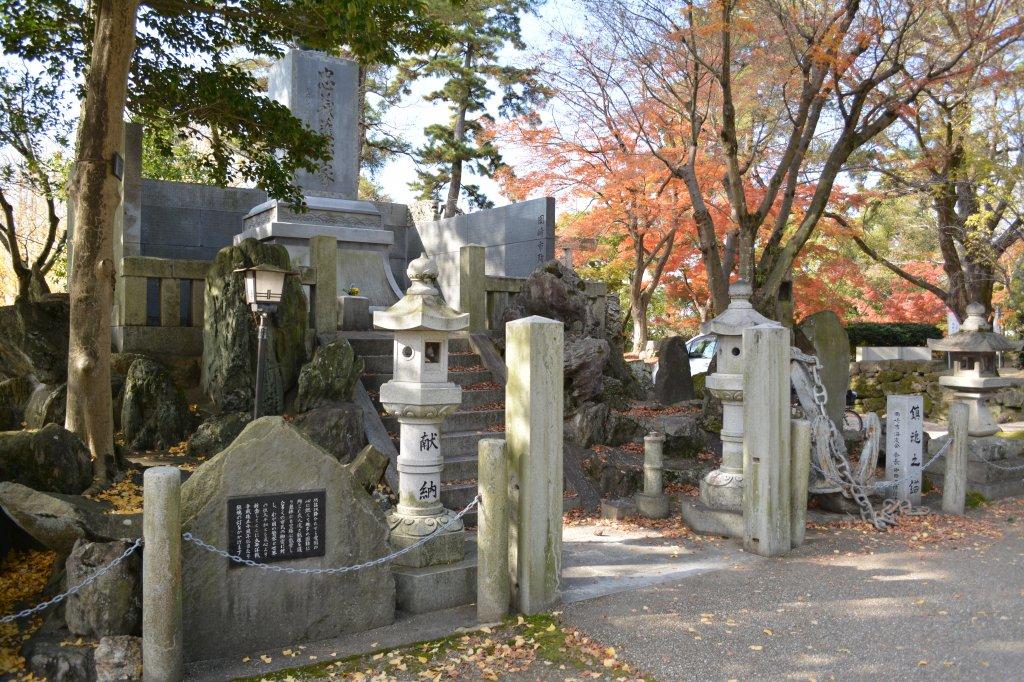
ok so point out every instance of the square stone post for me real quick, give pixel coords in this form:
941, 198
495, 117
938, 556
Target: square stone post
162, 643
954, 482
493, 588
473, 286
800, 474
323, 256
533, 419
170, 302
766, 441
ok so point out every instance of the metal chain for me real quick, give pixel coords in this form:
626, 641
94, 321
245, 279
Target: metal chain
1009, 469
64, 595
881, 519
337, 570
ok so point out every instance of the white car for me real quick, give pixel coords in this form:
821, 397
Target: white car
701, 350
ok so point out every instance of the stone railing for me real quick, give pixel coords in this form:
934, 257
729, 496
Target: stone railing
160, 304
486, 297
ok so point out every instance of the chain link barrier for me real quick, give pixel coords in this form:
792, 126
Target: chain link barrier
336, 570
886, 516
64, 595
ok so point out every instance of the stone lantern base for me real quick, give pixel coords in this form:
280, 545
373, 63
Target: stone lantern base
705, 520
448, 547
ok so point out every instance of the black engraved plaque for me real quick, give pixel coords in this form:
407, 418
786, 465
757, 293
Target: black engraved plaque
278, 527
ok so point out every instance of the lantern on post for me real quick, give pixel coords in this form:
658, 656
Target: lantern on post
973, 350
264, 289
420, 395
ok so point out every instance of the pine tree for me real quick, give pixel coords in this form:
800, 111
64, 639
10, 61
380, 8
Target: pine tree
472, 71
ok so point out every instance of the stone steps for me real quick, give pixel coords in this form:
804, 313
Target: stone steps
373, 382
383, 364
472, 420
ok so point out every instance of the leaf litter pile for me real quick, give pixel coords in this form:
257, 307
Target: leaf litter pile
23, 575
534, 647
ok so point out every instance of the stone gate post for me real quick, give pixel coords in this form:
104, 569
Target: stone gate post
533, 423
161, 576
493, 591
766, 441
954, 482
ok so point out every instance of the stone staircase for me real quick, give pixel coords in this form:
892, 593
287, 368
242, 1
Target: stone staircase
481, 415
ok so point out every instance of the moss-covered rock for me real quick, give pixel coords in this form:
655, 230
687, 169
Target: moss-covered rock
229, 332
50, 459
154, 413
46, 405
44, 329
14, 394
216, 433
337, 429
330, 377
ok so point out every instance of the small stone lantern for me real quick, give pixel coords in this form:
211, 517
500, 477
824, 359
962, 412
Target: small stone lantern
420, 395
721, 490
973, 351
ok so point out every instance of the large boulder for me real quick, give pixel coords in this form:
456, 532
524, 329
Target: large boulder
14, 394
230, 611
555, 291
229, 332
338, 430
58, 521
584, 359
673, 383
51, 459
154, 413
112, 603
47, 404
43, 328
588, 425
823, 335
216, 433
330, 377
118, 659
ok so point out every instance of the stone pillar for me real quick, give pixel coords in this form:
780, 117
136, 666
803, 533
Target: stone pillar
161, 576
493, 588
954, 481
473, 286
323, 256
800, 473
652, 502
766, 441
533, 420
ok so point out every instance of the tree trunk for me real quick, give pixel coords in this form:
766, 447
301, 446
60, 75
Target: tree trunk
451, 204
97, 197
640, 331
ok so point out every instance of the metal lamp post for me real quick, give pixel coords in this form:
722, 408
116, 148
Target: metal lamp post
264, 289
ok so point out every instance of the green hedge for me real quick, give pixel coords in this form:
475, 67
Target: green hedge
891, 334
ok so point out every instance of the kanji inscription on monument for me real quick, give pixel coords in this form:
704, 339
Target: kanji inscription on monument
904, 445
277, 527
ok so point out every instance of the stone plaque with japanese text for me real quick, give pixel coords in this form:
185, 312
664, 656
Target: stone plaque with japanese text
904, 438
277, 527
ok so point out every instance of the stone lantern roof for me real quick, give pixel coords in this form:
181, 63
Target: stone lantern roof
422, 308
739, 315
975, 336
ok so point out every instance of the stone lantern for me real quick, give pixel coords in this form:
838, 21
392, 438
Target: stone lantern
720, 511
420, 395
973, 351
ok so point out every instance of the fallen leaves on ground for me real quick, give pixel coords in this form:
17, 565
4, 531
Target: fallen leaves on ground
644, 411
125, 496
522, 644
671, 527
23, 575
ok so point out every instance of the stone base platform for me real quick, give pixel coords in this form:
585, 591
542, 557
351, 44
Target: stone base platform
706, 520
995, 466
434, 588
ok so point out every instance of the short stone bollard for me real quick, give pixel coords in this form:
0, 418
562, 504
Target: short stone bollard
162, 649
954, 482
493, 586
800, 474
652, 503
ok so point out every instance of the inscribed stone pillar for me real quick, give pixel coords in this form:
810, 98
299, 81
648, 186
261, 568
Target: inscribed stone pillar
493, 587
533, 419
800, 472
766, 441
323, 92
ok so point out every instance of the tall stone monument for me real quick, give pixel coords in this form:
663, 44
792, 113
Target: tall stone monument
323, 92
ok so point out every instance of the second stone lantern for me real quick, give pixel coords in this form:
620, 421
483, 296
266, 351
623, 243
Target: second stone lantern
420, 396
720, 509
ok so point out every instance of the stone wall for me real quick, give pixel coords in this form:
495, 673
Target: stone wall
874, 380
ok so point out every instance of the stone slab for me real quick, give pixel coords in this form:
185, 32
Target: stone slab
617, 510
707, 521
652, 506
877, 353
186, 341
232, 610
991, 490
435, 588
